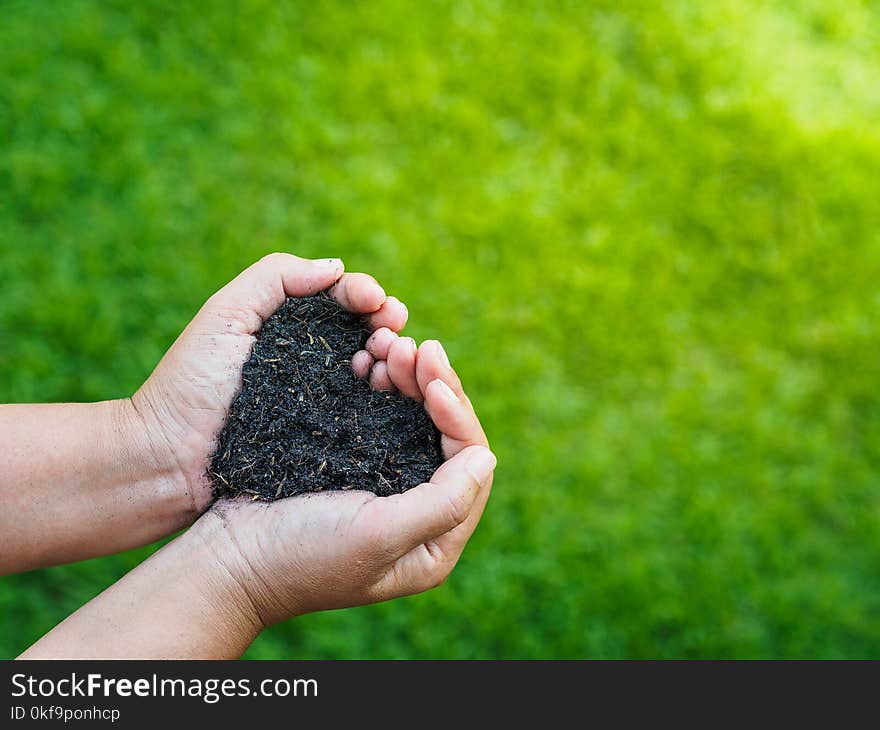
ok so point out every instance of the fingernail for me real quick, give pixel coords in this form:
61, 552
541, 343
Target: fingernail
443, 356
413, 346
480, 465
447, 391
329, 264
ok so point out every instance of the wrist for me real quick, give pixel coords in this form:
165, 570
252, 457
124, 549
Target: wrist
147, 460
229, 577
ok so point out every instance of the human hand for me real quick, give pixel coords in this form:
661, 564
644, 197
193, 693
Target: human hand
184, 403
339, 549
244, 565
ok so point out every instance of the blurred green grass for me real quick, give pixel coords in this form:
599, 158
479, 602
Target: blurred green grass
648, 236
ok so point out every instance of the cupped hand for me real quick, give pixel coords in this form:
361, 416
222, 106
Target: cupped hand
184, 403
348, 548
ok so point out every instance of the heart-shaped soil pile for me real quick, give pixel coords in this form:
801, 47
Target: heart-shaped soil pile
304, 423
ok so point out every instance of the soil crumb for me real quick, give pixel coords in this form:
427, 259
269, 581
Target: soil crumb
303, 422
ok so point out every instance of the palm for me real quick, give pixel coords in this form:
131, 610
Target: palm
278, 541
204, 375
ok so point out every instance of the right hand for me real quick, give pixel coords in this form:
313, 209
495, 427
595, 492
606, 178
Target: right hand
348, 548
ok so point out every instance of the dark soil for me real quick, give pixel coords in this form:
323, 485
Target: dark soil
304, 423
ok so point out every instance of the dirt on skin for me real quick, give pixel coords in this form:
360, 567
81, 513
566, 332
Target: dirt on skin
303, 422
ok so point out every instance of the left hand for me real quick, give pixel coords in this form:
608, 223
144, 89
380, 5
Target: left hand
184, 403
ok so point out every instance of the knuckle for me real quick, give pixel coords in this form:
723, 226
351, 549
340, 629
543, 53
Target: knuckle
441, 573
457, 509
276, 257
396, 350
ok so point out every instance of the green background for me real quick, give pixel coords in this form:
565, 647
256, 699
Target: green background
649, 238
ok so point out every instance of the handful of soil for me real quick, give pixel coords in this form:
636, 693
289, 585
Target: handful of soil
303, 422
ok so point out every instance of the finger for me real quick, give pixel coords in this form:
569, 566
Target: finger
259, 290
449, 546
446, 401
380, 342
359, 293
431, 364
392, 314
428, 511
430, 561
402, 367
361, 362
379, 379
454, 417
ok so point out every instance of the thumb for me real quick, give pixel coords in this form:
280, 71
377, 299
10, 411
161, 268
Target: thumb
436, 507
264, 286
